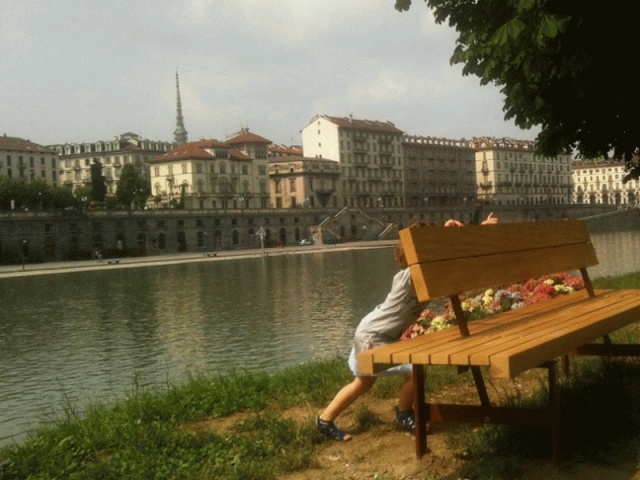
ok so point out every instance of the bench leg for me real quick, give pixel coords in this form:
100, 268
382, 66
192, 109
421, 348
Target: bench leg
554, 406
422, 413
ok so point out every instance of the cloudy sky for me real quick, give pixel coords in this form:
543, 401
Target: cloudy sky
82, 71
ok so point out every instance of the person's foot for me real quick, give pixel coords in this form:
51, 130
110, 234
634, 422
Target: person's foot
329, 429
406, 421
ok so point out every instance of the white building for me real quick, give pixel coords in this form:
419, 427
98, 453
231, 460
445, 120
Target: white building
76, 159
28, 161
600, 182
508, 172
370, 156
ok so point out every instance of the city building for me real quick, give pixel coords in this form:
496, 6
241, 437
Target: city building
370, 156
508, 172
438, 171
285, 151
303, 182
601, 182
213, 174
75, 159
28, 161
255, 188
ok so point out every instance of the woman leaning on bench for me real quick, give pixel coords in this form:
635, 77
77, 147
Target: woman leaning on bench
383, 325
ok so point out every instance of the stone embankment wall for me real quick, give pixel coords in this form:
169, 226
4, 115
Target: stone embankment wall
73, 235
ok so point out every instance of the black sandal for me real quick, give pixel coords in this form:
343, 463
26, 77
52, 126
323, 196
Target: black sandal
406, 421
329, 429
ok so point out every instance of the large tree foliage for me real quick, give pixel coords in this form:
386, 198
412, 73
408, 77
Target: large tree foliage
132, 188
565, 66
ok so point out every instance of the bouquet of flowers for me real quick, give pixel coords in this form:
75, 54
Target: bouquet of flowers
492, 301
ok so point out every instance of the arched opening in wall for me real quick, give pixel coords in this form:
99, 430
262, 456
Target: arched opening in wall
182, 241
267, 236
282, 235
618, 198
592, 199
235, 238
217, 239
120, 243
297, 234
98, 242
141, 243
253, 241
342, 231
49, 247
162, 242
631, 198
74, 247
354, 232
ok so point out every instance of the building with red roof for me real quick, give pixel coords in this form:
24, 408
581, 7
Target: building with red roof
213, 174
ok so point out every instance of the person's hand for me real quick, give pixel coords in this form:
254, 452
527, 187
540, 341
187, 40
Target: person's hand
491, 220
453, 223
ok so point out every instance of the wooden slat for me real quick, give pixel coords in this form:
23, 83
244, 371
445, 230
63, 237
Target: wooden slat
443, 278
435, 243
514, 341
521, 357
415, 349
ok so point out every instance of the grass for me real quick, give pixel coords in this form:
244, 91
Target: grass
144, 434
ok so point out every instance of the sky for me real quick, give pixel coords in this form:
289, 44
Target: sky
73, 71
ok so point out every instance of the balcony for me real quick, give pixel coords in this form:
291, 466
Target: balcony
486, 185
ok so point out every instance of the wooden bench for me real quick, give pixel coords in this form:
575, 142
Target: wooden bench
449, 261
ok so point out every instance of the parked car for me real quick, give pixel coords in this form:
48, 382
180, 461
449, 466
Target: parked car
305, 241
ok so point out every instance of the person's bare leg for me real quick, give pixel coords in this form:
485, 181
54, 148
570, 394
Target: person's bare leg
407, 395
345, 397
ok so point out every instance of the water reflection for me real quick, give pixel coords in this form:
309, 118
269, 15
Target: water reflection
83, 337
618, 253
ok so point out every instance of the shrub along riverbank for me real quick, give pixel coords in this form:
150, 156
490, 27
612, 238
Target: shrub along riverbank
150, 434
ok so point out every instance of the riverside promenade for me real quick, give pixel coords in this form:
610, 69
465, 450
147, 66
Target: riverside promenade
9, 271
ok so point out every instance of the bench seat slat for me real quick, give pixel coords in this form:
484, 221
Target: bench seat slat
520, 340
402, 352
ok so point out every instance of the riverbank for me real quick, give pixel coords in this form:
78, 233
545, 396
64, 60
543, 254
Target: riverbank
9, 271
259, 426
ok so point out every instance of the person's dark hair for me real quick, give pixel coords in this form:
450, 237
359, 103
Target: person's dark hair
400, 257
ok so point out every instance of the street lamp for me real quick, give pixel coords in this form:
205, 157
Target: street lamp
25, 246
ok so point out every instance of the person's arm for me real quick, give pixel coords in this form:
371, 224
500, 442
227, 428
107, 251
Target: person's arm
491, 220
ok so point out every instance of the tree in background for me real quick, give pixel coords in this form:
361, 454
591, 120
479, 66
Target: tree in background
98, 183
17, 194
563, 66
132, 189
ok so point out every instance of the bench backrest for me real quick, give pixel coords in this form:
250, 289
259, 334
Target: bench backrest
447, 261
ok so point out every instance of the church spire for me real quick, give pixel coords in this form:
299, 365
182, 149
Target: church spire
180, 134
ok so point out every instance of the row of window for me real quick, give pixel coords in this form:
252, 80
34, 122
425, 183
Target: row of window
32, 161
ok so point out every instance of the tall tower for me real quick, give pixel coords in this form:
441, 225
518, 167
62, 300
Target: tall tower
180, 133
